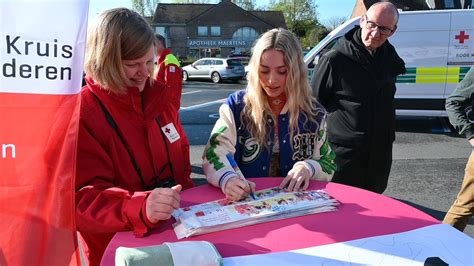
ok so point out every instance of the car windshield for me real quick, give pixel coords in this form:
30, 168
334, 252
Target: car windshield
233, 62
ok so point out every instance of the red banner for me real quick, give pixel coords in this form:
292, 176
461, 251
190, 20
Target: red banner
38, 135
41, 65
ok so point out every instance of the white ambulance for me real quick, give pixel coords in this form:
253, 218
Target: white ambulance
438, 49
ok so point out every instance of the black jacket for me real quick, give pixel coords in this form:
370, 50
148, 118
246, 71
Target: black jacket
357, 89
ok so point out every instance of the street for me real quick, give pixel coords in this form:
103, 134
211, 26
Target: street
428, 163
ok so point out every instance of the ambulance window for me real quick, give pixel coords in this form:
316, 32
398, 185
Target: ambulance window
323, 51
329, 46
448, 3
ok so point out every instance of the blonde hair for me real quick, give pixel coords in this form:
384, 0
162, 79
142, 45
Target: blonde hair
300, 101
118, 34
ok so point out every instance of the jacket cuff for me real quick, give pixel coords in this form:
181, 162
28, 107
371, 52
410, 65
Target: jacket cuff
225, 178
470, 133
134, 213
147, 222
313, 167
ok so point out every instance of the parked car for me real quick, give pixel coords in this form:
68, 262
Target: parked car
215, 69
244, 60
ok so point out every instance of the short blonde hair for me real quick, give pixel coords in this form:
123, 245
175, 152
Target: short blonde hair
300, 101
118, 34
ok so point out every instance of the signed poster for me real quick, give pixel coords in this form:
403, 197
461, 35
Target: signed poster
270, 204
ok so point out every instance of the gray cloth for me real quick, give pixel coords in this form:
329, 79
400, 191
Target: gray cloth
202, 253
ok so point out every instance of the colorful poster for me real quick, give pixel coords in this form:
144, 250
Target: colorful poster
42, 46
268, 205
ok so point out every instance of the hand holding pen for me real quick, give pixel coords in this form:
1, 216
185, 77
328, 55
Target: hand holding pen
238, 187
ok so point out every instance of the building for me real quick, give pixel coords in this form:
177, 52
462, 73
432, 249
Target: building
362, 5
216, 30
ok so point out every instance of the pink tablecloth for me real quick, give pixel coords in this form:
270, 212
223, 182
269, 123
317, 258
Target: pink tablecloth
361, 214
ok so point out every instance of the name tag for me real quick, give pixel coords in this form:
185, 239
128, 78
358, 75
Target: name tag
172, 69
170, 132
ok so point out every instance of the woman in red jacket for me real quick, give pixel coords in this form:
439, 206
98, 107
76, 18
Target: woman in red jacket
133, 154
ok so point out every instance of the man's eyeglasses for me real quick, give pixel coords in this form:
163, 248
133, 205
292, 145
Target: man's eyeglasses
370, 25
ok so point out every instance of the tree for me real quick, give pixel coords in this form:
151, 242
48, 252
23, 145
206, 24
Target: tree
314, 36
245, 4
145, 8
301, 19
297, 13
334, 22
192, 1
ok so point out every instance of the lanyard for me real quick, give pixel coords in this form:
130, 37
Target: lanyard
167, 182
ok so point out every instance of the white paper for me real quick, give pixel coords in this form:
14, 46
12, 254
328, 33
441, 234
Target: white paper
407, 248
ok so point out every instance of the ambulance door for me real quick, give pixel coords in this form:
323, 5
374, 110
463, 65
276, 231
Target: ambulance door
461, 48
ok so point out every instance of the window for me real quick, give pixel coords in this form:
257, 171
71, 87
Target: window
200, 63
448, 3
202, 30
215, 31
218, 62
234, 62
245, 33
161, 31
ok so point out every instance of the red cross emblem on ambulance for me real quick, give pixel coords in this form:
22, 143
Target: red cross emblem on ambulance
461, 37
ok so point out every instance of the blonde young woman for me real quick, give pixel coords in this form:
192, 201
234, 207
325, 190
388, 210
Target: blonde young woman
272, 128
133, 155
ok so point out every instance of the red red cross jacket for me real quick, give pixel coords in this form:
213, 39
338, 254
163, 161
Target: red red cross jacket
168, 70
110, 195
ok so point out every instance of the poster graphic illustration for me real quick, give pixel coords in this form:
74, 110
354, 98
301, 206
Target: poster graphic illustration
270, 204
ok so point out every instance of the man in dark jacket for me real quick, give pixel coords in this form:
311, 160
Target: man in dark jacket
460, 108
355, 81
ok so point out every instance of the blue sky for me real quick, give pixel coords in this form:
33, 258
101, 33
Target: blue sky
326, 8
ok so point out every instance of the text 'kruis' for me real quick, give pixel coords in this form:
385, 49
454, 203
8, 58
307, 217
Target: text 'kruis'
21, 53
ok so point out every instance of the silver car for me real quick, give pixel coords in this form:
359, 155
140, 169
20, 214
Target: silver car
215, 69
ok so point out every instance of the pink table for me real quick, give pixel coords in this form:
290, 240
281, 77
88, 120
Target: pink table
361, 214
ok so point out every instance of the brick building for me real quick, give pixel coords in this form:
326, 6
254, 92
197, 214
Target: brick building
217, 30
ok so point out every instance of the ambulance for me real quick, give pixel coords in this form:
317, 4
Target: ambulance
438, 49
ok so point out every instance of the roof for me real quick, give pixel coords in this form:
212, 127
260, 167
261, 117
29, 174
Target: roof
274, 18
183, 13
178, 13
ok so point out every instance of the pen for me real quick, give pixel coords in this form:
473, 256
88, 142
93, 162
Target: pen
234, 165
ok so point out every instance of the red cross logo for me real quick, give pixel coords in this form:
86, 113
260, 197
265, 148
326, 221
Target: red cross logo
167, 130
461, 37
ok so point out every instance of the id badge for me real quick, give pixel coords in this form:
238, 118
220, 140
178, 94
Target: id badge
170, 132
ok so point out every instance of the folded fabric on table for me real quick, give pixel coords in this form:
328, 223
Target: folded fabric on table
197, 253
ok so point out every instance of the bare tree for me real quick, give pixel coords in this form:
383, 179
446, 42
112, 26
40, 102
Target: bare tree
145, 7
245, 4
333, 22
192, 1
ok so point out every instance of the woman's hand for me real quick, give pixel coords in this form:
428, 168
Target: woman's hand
298, 177
161, 202
238, 188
